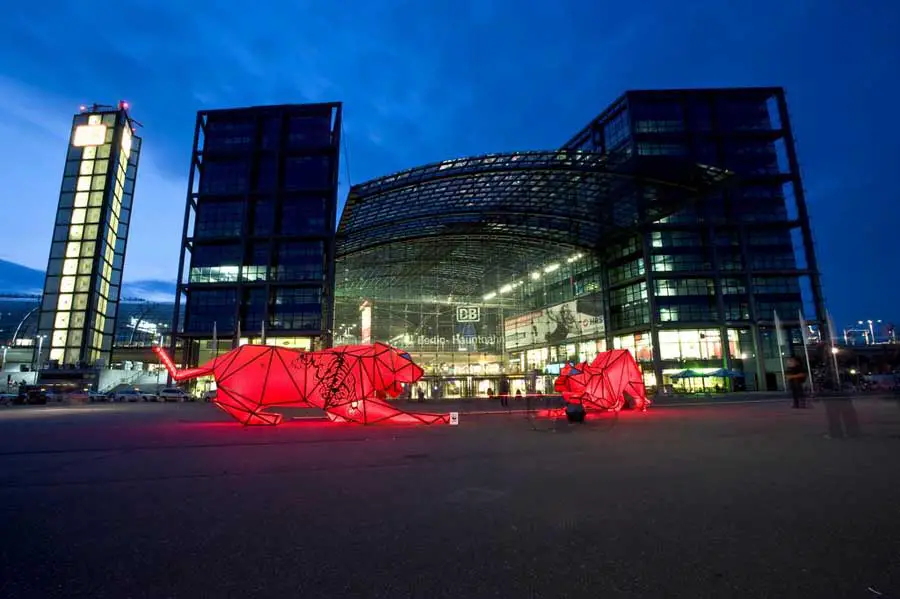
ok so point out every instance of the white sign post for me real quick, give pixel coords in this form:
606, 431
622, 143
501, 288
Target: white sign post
454, 418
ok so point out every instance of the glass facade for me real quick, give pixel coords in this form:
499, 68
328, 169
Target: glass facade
722, 268
486, 269
487, 273
87, 254
258, 245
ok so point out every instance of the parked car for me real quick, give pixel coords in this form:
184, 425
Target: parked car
95, 396
133, 395
174, 394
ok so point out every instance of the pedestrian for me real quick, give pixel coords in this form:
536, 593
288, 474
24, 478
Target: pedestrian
504, 392
796, 376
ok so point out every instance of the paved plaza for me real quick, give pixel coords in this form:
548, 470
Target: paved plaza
742, 500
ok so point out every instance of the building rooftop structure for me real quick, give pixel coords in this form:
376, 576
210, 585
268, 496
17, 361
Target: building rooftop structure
450, 220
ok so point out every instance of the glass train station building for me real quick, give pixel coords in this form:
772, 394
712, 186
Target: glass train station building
673, 225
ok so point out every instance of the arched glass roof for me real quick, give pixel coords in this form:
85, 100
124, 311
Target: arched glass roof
452, 220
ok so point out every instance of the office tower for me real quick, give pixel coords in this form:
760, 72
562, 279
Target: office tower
700, 288
87, 254
259, 229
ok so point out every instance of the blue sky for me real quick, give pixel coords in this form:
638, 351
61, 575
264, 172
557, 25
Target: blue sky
424, 81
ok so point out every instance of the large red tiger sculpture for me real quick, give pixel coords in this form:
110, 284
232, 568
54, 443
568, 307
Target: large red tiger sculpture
350, 382
603, 384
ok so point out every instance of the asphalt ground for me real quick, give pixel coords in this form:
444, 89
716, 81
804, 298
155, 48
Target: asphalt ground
175, 500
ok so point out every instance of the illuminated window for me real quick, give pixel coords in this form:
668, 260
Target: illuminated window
93, 215
57, 354
95, 119
62, 321
81, 199
84, 184
84, 266
126, 143
103, 151
72, 355
684, 287
75, 337
59, 338
78, 216
67, 285
72, 249
70, 266
75, 232
65, 301
82, 284
77, 320
80, 303
96, 199
88, 247
90, 153
690, 345
87, 167
97, 183
629, 270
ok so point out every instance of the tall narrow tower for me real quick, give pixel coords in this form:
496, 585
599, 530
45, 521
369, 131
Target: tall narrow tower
87, 254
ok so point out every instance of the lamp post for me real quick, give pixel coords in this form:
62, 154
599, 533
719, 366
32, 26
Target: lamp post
837, 374
871, 332
3, 367
40, 340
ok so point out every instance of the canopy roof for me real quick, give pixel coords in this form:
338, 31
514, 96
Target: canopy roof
451, 221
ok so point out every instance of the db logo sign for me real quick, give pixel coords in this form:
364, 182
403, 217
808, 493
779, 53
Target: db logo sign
468, 314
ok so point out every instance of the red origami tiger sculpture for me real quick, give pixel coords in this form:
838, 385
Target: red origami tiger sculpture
603, 384
351, 383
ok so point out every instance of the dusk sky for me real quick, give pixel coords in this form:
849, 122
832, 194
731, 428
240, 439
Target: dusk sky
425, 81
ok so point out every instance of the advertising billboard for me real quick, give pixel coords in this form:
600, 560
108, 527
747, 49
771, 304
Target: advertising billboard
556, 324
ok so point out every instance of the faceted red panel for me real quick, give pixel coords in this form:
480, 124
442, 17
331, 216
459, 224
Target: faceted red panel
603, 384
351, 383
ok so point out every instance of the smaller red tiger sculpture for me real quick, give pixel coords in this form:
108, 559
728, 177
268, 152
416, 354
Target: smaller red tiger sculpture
603, 384
351, 383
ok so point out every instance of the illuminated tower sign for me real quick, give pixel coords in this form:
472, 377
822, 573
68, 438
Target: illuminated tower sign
87, 254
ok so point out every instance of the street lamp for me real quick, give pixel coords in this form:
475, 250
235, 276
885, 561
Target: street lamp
871, 331
40, 339
3, 367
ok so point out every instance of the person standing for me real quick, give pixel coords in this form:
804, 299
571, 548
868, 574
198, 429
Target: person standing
796, 376
504, 392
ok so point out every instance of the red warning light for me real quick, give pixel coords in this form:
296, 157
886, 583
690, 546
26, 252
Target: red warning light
123, 105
